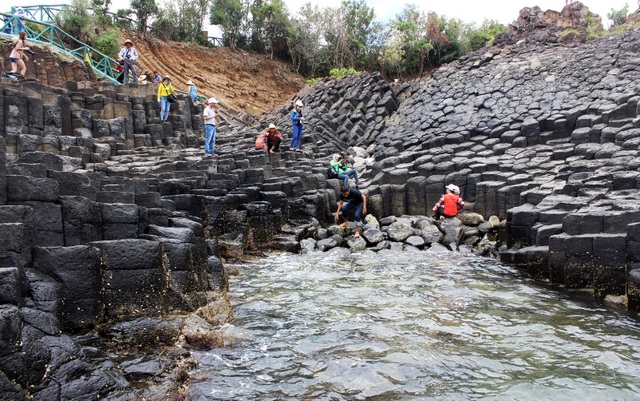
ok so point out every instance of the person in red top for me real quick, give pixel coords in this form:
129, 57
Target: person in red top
449, 204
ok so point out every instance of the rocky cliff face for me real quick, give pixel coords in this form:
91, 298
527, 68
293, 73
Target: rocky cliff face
108, 215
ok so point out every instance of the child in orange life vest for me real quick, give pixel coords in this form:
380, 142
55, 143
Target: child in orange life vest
449, 204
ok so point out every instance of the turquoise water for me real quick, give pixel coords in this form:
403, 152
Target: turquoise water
414, 326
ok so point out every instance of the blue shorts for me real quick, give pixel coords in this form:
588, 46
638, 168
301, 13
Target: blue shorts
14, 59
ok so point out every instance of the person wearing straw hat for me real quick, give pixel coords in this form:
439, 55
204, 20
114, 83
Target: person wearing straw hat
193, 92
449, 204
274, 137
127, 57
209, 115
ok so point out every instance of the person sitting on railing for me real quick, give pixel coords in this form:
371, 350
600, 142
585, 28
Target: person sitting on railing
17, 56
127, 57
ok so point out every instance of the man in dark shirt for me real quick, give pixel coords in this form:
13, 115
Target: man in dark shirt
355, 200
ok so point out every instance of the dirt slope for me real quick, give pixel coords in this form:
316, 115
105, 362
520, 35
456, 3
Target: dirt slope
240, 80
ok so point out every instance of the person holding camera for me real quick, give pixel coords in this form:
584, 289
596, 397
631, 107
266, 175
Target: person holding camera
17, 57
127, 58
343, 171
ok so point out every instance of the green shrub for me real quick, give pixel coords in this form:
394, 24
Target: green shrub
312, 80
108, 42
341, 72
568, 32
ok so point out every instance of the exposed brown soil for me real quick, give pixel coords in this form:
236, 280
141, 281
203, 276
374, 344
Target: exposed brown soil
238, 79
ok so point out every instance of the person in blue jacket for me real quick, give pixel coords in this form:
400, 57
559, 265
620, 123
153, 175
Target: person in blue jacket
296, 120
193, 92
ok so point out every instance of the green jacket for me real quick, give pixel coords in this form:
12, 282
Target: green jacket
340, 168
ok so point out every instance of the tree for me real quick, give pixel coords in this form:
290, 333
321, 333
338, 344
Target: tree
181, 21
274, 23
305, 40
476, 38
144, 10
230, 15
349, 28
408, 30
619, 16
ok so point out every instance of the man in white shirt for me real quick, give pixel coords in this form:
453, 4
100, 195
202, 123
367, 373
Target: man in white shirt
128, 56
209, 115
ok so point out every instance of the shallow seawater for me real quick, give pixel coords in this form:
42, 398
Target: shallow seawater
414, 326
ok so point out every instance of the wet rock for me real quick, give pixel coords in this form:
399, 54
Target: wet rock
470, 219
431, 234
373, 236
415, 241
326, 244
453, 230
146, 331
141, 368
399, 231
200, 335
357, 244
307, 245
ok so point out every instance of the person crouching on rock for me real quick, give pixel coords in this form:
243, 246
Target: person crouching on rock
342, 169
355, 200
274, 137
449, 204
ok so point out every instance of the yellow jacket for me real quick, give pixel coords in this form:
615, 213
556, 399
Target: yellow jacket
164, 90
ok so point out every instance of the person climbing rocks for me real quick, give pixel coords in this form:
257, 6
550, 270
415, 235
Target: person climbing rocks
449, 204
164, 91
17, 56
342, 170
193, 91
296, 121
274, 137
127, 57
209, 115
355, 200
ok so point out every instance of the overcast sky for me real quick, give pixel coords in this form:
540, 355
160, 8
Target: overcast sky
505, 11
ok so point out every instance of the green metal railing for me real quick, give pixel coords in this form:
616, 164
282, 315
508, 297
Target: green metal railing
43, 13
42, 32
48, 34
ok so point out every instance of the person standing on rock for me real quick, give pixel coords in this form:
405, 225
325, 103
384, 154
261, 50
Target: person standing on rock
128, 56
449, 204
343, 171
296, 121
193, 91
17, 56
157, 78
209, 115
165, 89
355, 200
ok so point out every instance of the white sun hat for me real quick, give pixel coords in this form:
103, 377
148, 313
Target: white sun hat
213, 100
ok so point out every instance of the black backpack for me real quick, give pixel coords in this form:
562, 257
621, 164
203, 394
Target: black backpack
331, 172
